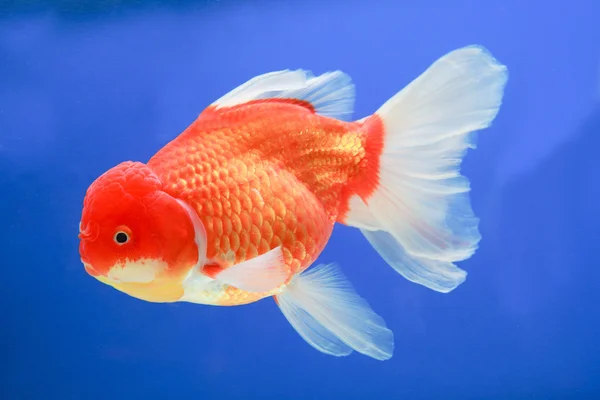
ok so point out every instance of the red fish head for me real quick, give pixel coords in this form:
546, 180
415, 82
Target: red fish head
134, 236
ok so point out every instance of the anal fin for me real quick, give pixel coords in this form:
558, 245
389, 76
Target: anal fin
324, 309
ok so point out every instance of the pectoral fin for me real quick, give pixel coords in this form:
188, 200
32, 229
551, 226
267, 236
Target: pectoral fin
259, 274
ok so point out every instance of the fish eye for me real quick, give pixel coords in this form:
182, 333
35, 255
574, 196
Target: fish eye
121, 238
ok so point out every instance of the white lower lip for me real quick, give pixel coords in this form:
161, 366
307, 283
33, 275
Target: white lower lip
139, 271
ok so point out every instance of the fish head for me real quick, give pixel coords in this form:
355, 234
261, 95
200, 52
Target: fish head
136, 237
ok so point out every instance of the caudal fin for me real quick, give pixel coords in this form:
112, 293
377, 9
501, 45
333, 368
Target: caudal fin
419, 218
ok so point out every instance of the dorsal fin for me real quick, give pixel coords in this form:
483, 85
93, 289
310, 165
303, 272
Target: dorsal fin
330, 94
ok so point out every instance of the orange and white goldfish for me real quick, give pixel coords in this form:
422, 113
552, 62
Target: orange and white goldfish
238, 206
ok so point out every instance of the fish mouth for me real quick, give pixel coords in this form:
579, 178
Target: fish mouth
90, 269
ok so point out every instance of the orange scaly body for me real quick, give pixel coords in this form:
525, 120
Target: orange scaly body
264, 174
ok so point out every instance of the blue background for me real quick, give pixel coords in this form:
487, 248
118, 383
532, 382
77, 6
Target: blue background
84, 87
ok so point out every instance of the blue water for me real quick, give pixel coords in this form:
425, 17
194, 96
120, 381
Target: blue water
82, 89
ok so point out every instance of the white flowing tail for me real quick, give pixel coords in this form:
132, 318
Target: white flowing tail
416, 212
419, 217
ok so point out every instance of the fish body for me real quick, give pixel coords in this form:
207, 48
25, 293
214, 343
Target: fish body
238, 206
261, 175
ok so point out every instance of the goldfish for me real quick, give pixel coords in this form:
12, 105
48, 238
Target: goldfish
239, 205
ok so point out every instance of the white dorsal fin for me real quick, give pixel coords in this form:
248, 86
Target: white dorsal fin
331, 94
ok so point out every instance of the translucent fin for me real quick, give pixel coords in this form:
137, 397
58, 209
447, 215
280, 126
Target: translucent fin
330, 94
422, 199
323, 307
259, 274
442, 276
360, 216
312, 331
